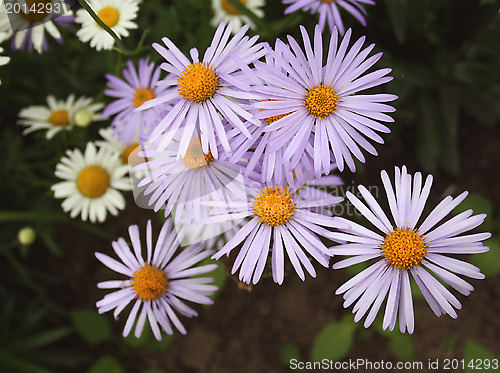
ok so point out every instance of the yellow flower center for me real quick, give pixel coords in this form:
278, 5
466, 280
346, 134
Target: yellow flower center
59, 118
198, 82
274, 205
93, 181
321, 100
143, 95
404, 248
230, 9
328, 1
109, 16
149, 283
195, 158
37, 10
129, 155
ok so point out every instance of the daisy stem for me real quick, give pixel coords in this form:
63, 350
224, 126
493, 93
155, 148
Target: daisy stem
244, 10
94, 16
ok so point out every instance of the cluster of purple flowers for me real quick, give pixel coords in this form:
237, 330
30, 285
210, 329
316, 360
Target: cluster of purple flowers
238, 139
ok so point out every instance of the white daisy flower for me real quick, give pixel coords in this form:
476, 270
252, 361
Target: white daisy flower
407, 249
59, 115
116, 14
30, 28
158, 285
225, 11
91, 183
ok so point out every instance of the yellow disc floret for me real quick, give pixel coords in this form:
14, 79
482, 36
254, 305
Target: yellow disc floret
198, 82
404, 248
142, 95
109, 16
149, 283
274, 205
230, 9
93, 181
195, 158
35, 10
328, 1
59, 118
321, 100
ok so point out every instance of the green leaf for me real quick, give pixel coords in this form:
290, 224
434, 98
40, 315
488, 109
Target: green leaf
334, 341
106, 364
16, 364
45, 338
91, 326
476, 358
401, 345
489, 262
289, 351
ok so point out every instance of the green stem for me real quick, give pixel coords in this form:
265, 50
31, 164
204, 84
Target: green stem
94, 16
244, 10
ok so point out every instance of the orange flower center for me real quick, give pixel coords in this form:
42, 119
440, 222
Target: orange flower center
321, 100
35, 10
109, 16
195, 158
404, 248
59, 118
230, 9
198, 82
142, 95
93, 181
274, 206
149, 283
129, 155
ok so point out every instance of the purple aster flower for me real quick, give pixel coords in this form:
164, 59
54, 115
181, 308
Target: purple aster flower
405, 249
182, 186
203, 92
329, 10
321, 102
138, 87
281, 220
30, 28
159, 285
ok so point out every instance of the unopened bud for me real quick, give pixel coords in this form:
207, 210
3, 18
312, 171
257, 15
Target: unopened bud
83, 118
26, 236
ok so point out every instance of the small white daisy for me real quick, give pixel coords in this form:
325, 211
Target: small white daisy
116, 14
59, 115
225, 11
160, 284
91, 183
